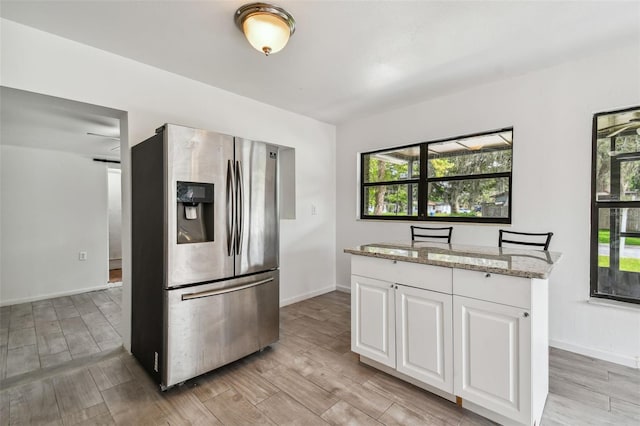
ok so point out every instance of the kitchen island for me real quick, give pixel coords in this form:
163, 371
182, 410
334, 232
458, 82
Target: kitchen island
469, 323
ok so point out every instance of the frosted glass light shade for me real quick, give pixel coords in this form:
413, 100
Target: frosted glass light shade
267, 27
266, 33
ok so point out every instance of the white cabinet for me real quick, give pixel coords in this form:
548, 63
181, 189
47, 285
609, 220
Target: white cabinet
501, 351
405, 328
478, 336
424, 336
373, 332
492, 356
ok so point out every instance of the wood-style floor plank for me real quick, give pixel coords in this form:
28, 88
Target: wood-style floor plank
397, 415
233, 410
299, 388
294, 342
365, 400
4, 335
473, 419
632, 411
3, 361
56, 359
51, 343
624, 387
22, 337
247, 382
110, 373
4, 407
185, 408
44, 313
98, 413
21, 319
343, 364
48, 327
22, 360
209, 386
294, 360
284, 410
414, 398
76, 391
344, 414
560, 410
578, 393
131, 403
34, 403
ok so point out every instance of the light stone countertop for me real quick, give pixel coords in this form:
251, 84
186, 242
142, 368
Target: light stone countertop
525, 263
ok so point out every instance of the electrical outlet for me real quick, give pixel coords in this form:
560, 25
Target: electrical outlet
82, 255
314, 210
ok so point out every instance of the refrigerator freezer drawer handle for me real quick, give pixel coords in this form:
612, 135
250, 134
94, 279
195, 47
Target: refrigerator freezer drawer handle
224, 290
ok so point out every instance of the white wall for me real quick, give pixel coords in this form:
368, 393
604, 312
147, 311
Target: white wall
52, 206
114, 184
551, 112
40, 62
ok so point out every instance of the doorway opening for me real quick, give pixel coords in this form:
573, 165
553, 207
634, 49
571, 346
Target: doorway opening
56, 159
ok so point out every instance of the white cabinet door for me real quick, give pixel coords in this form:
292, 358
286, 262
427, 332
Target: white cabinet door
492, 356
424, 336
373, 320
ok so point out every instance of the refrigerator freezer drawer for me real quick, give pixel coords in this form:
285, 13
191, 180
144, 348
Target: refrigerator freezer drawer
211, 325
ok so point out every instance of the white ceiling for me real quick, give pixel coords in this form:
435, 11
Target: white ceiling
45, 122
347, 59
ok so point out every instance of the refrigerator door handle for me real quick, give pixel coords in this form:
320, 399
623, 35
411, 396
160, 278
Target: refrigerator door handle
230, 221
210, 293
239, 207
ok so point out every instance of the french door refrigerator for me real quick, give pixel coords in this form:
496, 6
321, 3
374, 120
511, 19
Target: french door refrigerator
205, 280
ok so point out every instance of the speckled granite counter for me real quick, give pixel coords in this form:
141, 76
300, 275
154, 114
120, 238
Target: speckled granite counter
506, 261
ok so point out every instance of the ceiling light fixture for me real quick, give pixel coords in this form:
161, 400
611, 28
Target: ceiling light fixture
267, 27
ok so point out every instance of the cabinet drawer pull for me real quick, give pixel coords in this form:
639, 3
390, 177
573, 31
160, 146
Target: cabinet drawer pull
394, 261
526, 315
487, 275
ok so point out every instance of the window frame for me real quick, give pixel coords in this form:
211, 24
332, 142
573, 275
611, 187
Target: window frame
423, 183
596, 206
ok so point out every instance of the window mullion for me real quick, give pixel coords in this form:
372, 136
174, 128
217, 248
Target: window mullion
422, 185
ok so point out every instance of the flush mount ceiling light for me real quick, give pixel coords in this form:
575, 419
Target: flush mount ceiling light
266, 26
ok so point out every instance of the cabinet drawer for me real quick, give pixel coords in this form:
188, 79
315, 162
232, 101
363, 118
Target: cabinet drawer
497, 288
428, 277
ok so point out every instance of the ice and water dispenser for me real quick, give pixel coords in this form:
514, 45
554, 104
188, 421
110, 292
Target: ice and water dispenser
195, 212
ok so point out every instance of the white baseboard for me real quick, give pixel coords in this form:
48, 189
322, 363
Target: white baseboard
58, 294
300, 298
343, 288
626, 360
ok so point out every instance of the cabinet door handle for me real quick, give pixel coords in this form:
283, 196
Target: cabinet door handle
487, 275
526, 314
391, 285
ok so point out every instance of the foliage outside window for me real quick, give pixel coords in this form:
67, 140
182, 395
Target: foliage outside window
615, 209
464, 179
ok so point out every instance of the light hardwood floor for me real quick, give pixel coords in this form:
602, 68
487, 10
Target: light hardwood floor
309, 377
52, 332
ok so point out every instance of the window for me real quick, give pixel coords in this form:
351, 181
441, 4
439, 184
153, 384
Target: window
462, 179
615, 208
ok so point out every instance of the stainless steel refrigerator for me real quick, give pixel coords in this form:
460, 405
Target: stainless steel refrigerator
205, 280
